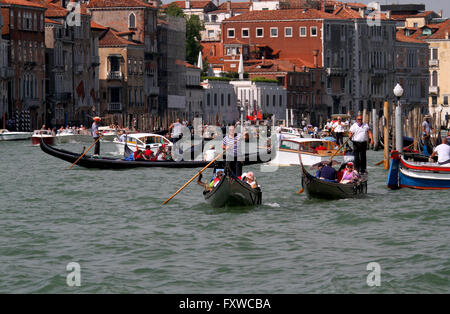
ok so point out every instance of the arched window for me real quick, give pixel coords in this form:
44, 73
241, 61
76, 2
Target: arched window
132, 21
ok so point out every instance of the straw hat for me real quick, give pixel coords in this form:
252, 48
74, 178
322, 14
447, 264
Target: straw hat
97, 119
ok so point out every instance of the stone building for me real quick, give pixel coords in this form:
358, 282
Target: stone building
220, 101
24, 29
6, 73
194, 93
138, 19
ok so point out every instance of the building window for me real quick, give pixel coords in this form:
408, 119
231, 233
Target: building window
231, 33
434, 53
229, 99
132, 20
303, 31
245, 33
274, 100
288, 31
221, 100
215, 99
260, 32
445, 100
313, 31
434, 78
274, 32
210, 33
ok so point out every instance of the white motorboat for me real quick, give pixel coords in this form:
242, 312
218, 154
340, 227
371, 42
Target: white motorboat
109, 134
312, 150
71, 136
141, 140
6, 135
47, 135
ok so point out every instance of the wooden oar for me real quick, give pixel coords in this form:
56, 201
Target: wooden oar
339, 148
379, 163
84, 153
221, 154
198, 173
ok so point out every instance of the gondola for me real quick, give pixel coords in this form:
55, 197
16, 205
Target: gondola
231, 191
115, 163
317, 188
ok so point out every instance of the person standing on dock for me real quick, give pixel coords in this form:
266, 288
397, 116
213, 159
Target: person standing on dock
360, 133
338, 129
96, 134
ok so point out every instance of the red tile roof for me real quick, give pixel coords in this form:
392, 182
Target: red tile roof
49, 21
346, 13
194, 4
401, 37
444, 29
188, 65
22, 3
290, 14
235, 5
95, 25
112, 38
118, 4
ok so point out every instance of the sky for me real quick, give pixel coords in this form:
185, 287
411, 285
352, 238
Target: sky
434, 5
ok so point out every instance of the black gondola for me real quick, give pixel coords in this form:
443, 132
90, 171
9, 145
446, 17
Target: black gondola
231, 191
317, 188
116, 163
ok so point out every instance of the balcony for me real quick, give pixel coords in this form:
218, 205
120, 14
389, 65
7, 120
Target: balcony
335, 71
6, 72
115, 75
378, 72
152, 90
115, 106
433, 90
63, 96
433, 63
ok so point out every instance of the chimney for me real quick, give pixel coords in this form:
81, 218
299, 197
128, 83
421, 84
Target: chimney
187, 4
441, 13
228, 5
388, 15
446, 35
262, 60
362, 13
316, 58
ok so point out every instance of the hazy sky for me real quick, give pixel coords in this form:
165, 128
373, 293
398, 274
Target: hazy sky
435, 5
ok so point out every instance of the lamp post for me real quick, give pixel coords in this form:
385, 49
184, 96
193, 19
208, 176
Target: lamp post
398, 92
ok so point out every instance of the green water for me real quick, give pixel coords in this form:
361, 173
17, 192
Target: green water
112, 224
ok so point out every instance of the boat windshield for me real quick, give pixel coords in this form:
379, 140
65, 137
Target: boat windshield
155, 140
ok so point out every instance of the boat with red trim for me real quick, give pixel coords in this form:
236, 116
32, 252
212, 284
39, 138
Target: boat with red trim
417, 175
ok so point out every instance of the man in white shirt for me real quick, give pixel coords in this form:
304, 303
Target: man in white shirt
176, 130
443, 152
338, 129
426, 132
359, 133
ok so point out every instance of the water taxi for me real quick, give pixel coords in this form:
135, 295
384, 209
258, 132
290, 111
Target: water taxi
47, 135
6, 135
312, 151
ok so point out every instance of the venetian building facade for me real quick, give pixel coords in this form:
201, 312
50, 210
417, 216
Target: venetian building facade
139, 19
24, 28
5, 74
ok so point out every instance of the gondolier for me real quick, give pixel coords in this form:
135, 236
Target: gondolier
96, 134
231, 145
360, 133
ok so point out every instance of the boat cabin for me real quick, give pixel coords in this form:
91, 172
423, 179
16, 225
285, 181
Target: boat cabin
311, 147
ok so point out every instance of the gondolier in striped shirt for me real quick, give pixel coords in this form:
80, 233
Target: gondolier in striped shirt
95, 135
231, 144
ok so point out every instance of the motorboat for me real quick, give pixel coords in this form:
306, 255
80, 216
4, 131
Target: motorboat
47, 135
312, 152
141, 141
6, 135
71, 136
108, 133
417, 175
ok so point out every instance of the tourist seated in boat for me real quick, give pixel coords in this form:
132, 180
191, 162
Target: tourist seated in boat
249, 178
327, 172
319, 148
214, 181
148, 153
209, 153
138, 154
169, 154
443, 153
161, 154
349, 175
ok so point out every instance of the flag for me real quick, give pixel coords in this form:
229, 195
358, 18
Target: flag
80, 90
250, 118
259, 115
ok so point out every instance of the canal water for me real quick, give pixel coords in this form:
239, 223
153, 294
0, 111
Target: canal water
113, 225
